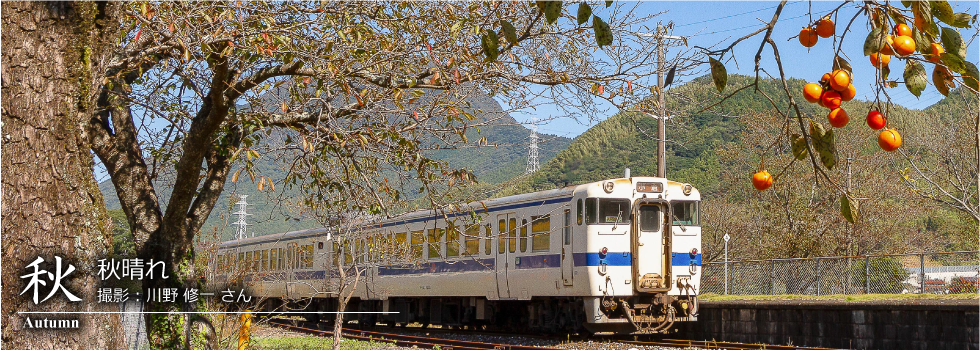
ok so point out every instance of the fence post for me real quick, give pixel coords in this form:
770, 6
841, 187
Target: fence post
818, 276
772, 277
867, 274
922, 273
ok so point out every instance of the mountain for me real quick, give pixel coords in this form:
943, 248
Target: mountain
503, 158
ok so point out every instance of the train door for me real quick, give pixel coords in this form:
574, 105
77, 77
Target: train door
506, 247
567, 256
651, 246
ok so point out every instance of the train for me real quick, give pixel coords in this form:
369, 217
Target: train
619, 255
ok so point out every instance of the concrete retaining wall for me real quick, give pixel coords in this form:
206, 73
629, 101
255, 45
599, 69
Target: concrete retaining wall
933, 324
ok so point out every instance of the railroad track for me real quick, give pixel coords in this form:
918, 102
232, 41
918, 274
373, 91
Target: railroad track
405, 340
717, 345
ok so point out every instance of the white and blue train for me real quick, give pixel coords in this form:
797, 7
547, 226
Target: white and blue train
620, 255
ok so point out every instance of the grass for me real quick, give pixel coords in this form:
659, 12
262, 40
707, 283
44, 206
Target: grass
840, 297
319, 343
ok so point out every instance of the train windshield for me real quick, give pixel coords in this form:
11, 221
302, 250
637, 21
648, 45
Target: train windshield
685, 213
613, 211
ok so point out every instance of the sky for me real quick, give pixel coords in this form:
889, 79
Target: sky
708, 23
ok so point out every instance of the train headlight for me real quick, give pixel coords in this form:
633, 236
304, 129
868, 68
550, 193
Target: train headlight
608, 186
687, 189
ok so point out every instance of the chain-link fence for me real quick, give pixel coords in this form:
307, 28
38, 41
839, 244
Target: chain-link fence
936, 273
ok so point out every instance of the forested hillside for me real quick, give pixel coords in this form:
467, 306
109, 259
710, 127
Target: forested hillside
717, 151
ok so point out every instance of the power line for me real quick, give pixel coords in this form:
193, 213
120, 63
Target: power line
730, 16
753, 25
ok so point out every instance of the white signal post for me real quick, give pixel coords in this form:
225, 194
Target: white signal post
727, 237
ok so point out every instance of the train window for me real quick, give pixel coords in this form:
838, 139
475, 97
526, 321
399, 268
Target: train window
248, 258
452, 241
512, 233
590, 210
370, 252
294, 257
540, 233
501, 232
418, 239
282, 259
579, 211
336, 252
472, 240
401, 240
241, 260
256, 260
614, 211
348, 253
265, 260
649, 218
308, 256
487, 241
436, 237
523, 236
685, 213
567, 228
273, 259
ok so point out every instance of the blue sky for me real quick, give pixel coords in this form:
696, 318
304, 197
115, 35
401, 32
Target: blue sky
707, 23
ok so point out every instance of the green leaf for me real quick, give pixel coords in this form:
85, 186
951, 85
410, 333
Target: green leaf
799, 146
584, 12
971, 77
609, 3
906, 3
922, 42
953, 43
961, 20
718, 74
842, 64
541, 4
942, 11
942, 80
885, 71
823, 143
954, 62
552, 10
915, 77
829, 154
874, 41
848, 210
490, 45
510, 33
603, 35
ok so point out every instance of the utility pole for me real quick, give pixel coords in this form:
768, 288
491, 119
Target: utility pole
661, 35
661, 102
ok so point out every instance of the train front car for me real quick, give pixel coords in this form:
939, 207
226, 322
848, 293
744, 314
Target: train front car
643, 253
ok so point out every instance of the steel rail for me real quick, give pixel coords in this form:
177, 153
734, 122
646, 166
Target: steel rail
704, 344
407, 340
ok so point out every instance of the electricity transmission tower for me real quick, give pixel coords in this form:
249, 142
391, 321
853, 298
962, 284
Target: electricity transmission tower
532, 152
242, 214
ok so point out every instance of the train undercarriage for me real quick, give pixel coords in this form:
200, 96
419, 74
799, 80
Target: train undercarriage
627, 315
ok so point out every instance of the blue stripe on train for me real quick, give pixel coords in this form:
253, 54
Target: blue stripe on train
684, 259
526, 262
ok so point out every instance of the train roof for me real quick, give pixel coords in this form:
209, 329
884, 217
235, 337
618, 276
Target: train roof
426, 214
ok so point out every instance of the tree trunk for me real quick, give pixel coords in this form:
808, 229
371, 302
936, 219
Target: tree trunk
51, 203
